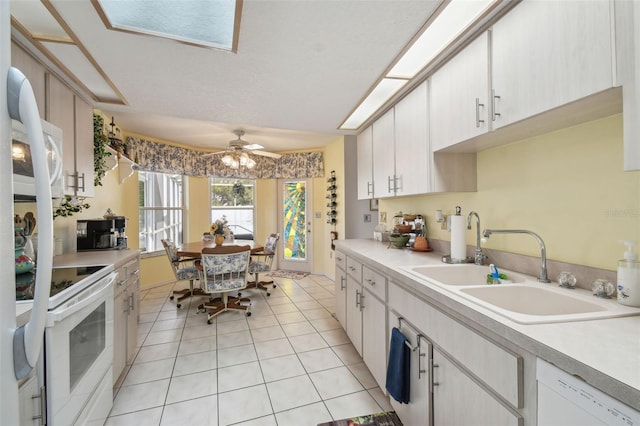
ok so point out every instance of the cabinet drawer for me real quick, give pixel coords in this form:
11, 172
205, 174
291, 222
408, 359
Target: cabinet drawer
341, 260
498, 368
375, 283
354, 268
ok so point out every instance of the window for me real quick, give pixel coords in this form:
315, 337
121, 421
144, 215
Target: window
235, 199
161, 209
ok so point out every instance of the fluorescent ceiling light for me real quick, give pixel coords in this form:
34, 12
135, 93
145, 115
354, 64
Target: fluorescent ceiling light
443, 30
378, 96
202, 22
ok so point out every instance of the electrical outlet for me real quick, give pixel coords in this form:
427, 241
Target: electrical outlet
383, 217
445, 223
367, 218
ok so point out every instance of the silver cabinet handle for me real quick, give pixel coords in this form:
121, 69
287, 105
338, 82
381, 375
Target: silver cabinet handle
358, 295
494, 114
131, 307
43, 405
352, 268
389, 180
342, 283
361, 304
338, 258
370, 281
369, 188
478, 105
433, 366
421, 355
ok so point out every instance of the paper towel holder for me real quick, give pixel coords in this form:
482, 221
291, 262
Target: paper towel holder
448, 259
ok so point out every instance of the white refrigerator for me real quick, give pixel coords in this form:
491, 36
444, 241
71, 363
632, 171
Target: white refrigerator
20, 347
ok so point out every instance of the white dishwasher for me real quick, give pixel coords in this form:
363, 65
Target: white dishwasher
564, 400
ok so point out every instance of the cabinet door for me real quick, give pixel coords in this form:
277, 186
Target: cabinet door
383, 156
341, 297
548, 53
121, 309
418, 410
459, 91
412, 143
365, 164
35, 73
374, 337
460, 401
354, 313
61, 114
84, 146
133, 297
29, 399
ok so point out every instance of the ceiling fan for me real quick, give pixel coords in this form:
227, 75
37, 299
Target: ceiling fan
240, 146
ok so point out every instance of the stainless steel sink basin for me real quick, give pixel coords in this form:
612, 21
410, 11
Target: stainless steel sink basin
532, 303
459, 275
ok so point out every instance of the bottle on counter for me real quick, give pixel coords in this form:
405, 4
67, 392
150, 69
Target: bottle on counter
629, 277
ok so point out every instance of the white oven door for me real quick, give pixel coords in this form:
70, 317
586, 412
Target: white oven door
78, 351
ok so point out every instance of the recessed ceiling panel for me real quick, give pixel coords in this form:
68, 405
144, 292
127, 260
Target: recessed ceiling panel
37, 20
77, 63
202, 22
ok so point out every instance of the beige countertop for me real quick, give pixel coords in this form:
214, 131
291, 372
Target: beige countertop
87, 258
605, 353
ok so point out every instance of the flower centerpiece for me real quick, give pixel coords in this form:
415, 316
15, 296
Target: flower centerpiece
220, 230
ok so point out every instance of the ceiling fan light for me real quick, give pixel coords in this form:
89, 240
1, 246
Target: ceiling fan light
227, 160
235, 164
251, 163
244, 159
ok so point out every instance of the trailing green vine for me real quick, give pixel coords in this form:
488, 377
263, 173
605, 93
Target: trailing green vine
100, 152
69, 206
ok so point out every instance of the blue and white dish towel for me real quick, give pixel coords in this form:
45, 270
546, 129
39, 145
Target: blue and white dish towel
399, 367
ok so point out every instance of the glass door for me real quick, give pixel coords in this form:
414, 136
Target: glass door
295, 225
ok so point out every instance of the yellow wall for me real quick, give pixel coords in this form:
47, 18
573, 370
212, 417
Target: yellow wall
568, 186
333, 160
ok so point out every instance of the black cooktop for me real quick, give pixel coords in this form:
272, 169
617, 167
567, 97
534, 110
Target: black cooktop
61, 279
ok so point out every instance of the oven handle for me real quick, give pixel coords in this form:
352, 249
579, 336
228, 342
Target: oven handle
80, 302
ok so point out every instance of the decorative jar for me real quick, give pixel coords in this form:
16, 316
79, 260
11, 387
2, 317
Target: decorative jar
219, 239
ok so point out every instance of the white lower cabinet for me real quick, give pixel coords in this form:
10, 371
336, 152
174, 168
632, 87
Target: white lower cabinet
354, 313
125, 319
341, 291
30, 402
458, 400
418, 410
374, 338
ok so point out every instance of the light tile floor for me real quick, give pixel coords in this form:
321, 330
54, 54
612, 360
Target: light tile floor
289, 363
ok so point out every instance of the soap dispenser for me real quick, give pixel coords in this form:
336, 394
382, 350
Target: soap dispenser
629, 277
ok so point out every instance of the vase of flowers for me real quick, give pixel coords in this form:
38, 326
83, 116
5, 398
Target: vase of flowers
219, 230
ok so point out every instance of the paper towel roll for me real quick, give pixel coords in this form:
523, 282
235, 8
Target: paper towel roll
458, 238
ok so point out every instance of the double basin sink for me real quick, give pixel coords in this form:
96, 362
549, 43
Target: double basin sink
523, 300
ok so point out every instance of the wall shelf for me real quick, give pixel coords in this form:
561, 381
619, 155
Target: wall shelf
125, 166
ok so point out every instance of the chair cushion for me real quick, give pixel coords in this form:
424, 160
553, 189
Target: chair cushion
259, 266
270, 245
187, 273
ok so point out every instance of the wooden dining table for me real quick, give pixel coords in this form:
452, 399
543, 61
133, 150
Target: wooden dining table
194, 249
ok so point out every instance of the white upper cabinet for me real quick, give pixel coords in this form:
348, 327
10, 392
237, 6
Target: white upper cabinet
412, 143
365, 164
460, 96
548, 53
628, 66
383, 138
84, 147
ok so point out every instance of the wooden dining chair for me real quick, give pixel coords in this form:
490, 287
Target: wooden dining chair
262, 261
183, 269
223, 270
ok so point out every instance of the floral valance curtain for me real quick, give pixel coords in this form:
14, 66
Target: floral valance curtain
157, 157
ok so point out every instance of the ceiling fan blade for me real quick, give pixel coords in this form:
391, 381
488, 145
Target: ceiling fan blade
214, 153
267, 154
253, 146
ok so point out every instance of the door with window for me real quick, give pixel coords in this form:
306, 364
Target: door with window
294, 203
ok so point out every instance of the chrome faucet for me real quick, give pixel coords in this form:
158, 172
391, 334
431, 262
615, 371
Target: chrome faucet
543, 278
479, 257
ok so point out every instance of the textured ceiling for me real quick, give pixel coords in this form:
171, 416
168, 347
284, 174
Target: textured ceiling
300, 69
